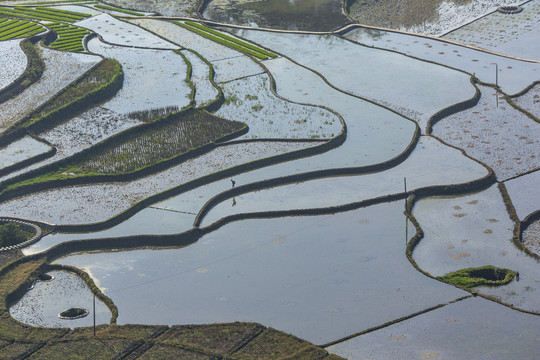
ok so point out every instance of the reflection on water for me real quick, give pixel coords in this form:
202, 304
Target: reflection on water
346, 271
315, 15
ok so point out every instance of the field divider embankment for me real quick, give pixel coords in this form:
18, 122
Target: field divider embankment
31, 160
201, 181
35, 124
455, 108
32, 73
519, 225
392, 322
434, 190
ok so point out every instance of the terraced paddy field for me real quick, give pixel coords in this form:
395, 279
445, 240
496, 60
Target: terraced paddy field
243, 193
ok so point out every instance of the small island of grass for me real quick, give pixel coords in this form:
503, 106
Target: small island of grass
481, 276
12, 234
73, 313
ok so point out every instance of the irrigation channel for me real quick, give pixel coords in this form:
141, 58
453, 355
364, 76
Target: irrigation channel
335, 194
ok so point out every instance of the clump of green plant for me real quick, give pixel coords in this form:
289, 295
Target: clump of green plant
11, 234
481, 276
35, 66
73, 313
43, 13
227, 40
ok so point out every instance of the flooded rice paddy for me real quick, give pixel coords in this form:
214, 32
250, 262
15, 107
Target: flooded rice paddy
21, 150
409, 86
321, 269
13, 60
96, 203
270, 117
472, 231
511, 75
448, 166
42, 304
496, 133
524, 193
119, 32
61, 68
323, 278
511, 34
153, 79
466, 329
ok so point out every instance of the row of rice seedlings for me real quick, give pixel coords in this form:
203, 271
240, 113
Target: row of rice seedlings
110, 8
70, 37
153, 114
12, 29
227, 40
163, 141
57, 2
42, 13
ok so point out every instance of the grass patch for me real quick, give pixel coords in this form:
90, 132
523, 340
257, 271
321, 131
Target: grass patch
226, 40
70, 37
13, 29
85, 349
42, 13
221, 339
481, 276
270, 344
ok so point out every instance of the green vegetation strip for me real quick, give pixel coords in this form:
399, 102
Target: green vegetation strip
105, 7
12, 29
70, 37
43, 13
481, 276
226, 40
55, 2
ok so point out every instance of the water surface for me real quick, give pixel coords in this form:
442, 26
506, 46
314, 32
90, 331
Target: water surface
314, 15
319, 277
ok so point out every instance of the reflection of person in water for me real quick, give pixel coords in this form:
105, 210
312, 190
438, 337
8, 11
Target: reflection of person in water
233, 182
